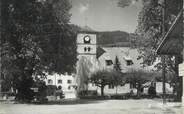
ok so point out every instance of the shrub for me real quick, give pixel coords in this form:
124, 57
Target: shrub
152, 91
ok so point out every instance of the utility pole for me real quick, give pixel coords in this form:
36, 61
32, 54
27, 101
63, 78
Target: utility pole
164, 79
163, 57
0, 49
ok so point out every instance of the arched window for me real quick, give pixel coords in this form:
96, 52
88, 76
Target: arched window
85, 49
89, 49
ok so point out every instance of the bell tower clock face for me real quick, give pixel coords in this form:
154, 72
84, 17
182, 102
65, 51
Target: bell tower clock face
87, 39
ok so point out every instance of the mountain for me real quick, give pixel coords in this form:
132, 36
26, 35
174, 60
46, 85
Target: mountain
113, 38
77, 28
108, 38
87, 28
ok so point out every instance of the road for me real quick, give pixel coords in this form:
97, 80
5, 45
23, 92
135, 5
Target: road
93, 107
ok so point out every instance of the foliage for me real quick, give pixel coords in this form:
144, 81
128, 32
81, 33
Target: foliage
152, 91
102, 78
51, 89
88, 93
25, 94
42, 93
58, 38
117, 65
137, 78
150, 31
150, 28
83, 73
36, 37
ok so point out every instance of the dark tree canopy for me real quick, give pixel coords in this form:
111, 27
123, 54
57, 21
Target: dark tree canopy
36, 38
150, 31
102, 78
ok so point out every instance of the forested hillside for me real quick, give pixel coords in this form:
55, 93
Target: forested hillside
108, 38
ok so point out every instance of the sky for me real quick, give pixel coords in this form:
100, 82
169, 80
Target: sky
105, 15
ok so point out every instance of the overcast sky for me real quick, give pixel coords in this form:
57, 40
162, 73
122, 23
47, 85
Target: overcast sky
104, 15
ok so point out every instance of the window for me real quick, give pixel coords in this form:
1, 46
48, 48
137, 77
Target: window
111, 86
59, 81
69, 81
87, 49
129, 62
108, 62
50, 82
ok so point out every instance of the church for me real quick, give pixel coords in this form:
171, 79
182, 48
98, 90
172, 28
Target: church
93, 57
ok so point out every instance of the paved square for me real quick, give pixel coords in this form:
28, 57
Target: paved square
93, 107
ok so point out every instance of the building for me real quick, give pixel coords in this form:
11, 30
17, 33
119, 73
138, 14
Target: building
65, 81
86, 56
126, 56
92, 57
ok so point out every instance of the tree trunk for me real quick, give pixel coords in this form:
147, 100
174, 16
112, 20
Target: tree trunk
138, 90
102, 91
116, 90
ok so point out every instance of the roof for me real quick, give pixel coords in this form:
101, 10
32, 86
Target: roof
172, 43
127, 58
121, 53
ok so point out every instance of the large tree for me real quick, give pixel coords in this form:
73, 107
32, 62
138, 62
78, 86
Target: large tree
83, 73
150, 31
36, 38
101, 78
139, 77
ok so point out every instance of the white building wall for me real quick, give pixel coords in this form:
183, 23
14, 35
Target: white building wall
67, 87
